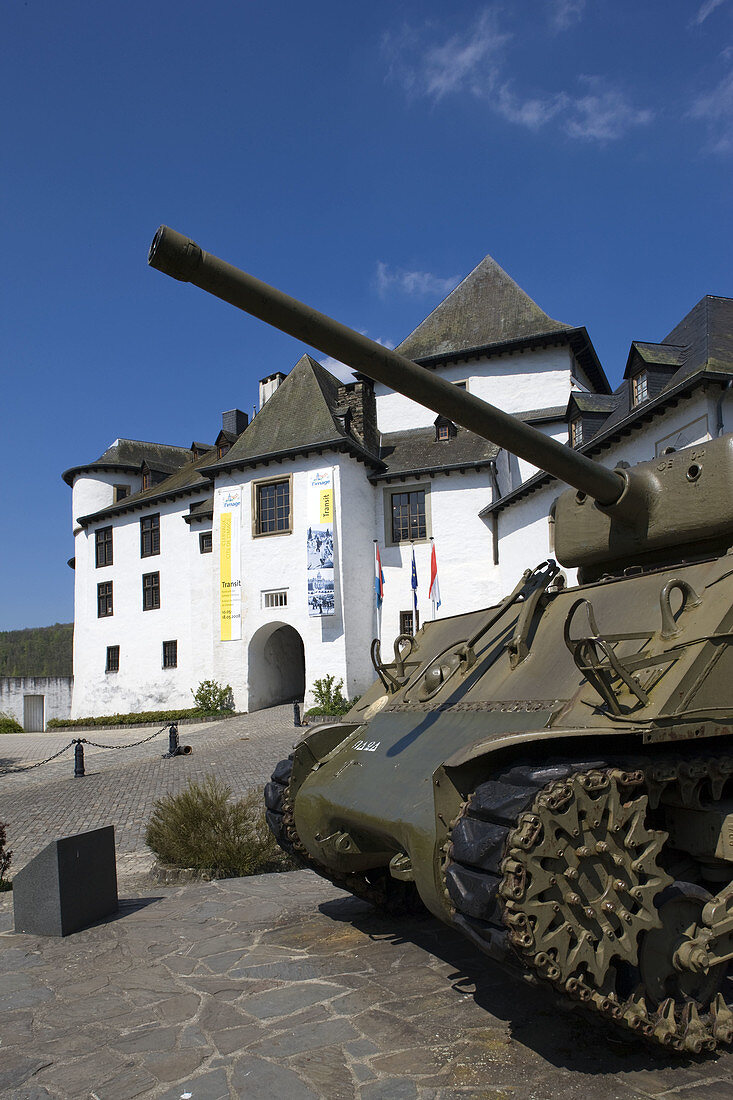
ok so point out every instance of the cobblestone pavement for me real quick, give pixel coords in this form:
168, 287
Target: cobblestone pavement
278, 985
282, 986
120, 786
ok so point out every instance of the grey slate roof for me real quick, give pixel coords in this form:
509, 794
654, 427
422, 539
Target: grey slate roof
129, 455
486, 308
701, 346
416, 451
593, 402
187, 479
535, 416
301, 415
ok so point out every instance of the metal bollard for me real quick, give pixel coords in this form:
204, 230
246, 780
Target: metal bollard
173, 740
296, 713
78, 759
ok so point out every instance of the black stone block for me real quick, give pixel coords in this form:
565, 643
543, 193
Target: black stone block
69, 885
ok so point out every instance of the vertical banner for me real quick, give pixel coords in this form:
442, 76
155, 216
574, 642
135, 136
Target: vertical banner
230, 564
320, 543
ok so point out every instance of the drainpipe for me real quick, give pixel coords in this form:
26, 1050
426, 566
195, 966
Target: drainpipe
494, 516
719, 408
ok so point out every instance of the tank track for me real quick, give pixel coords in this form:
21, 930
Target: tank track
397, 898
511, 873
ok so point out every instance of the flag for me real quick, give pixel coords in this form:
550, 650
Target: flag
378, 575
414, 582
434, 590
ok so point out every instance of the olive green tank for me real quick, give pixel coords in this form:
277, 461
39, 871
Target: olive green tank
553, 775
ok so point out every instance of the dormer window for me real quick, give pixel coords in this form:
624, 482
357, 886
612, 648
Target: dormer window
444, 428
222, 449
146, 480
576, 431
640, 387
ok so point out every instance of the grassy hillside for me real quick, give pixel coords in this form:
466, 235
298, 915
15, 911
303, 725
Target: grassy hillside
37, 651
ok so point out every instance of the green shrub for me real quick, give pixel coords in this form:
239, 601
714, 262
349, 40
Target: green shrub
213, 698
202, 827
330, 698
5, 858
8, 724
146, 717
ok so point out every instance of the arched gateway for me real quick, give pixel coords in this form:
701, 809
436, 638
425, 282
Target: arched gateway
276, 660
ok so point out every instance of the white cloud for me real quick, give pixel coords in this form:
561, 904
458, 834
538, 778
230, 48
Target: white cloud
706, 9
603, 114
474, 62
716, 109
467, 61
532, 113
343, 372
415, 283
567, 12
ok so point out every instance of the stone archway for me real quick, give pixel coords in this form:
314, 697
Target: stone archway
276, 672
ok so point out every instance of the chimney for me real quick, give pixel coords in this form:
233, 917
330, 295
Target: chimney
234, 421
269, 385
359, 398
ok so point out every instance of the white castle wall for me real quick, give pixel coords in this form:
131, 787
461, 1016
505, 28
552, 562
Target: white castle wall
56, 691
517, 383
141, 683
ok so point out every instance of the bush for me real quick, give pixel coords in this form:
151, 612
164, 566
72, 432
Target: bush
8, 724
330, 698
202, 827
213, 698
140, 718
5, 858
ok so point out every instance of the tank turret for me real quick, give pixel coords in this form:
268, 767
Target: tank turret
553, 775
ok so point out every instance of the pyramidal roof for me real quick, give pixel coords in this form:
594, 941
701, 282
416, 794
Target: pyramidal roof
486, 308
299, 414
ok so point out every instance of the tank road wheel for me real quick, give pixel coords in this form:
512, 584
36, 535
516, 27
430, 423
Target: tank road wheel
568, 881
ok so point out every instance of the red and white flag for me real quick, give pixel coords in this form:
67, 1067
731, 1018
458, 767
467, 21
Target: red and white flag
434, 590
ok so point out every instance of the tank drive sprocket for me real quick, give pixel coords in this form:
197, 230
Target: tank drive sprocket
377, 887
556, 869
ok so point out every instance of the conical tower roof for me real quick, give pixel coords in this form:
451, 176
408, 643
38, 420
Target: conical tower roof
486, 308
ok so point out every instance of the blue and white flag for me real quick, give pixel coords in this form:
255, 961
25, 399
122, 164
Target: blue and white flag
414, 583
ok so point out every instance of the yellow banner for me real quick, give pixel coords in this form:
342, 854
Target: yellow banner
225, 576
326, 511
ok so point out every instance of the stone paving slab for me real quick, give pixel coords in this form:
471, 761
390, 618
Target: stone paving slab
283, 986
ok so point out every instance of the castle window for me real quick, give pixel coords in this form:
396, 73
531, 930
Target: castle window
272, 514
205, 542
443, 431
576, 432
104, 599
103, 546
409, 622
113, 659
170, 654
150, 536
146, 480
408, 516
119, 492
222, 449
640, 387
151, 591
277, 598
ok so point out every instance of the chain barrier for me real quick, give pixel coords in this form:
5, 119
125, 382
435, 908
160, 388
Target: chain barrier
78, 745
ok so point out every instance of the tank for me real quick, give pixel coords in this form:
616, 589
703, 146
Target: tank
553, 775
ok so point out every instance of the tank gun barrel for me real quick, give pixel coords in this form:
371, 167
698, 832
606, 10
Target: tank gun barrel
181, 258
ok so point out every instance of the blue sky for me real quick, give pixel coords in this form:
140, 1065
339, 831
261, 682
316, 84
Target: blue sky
361, 157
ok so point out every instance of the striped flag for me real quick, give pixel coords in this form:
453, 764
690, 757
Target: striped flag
434, 592
378, 575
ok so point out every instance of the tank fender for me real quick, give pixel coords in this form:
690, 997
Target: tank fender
315, 747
